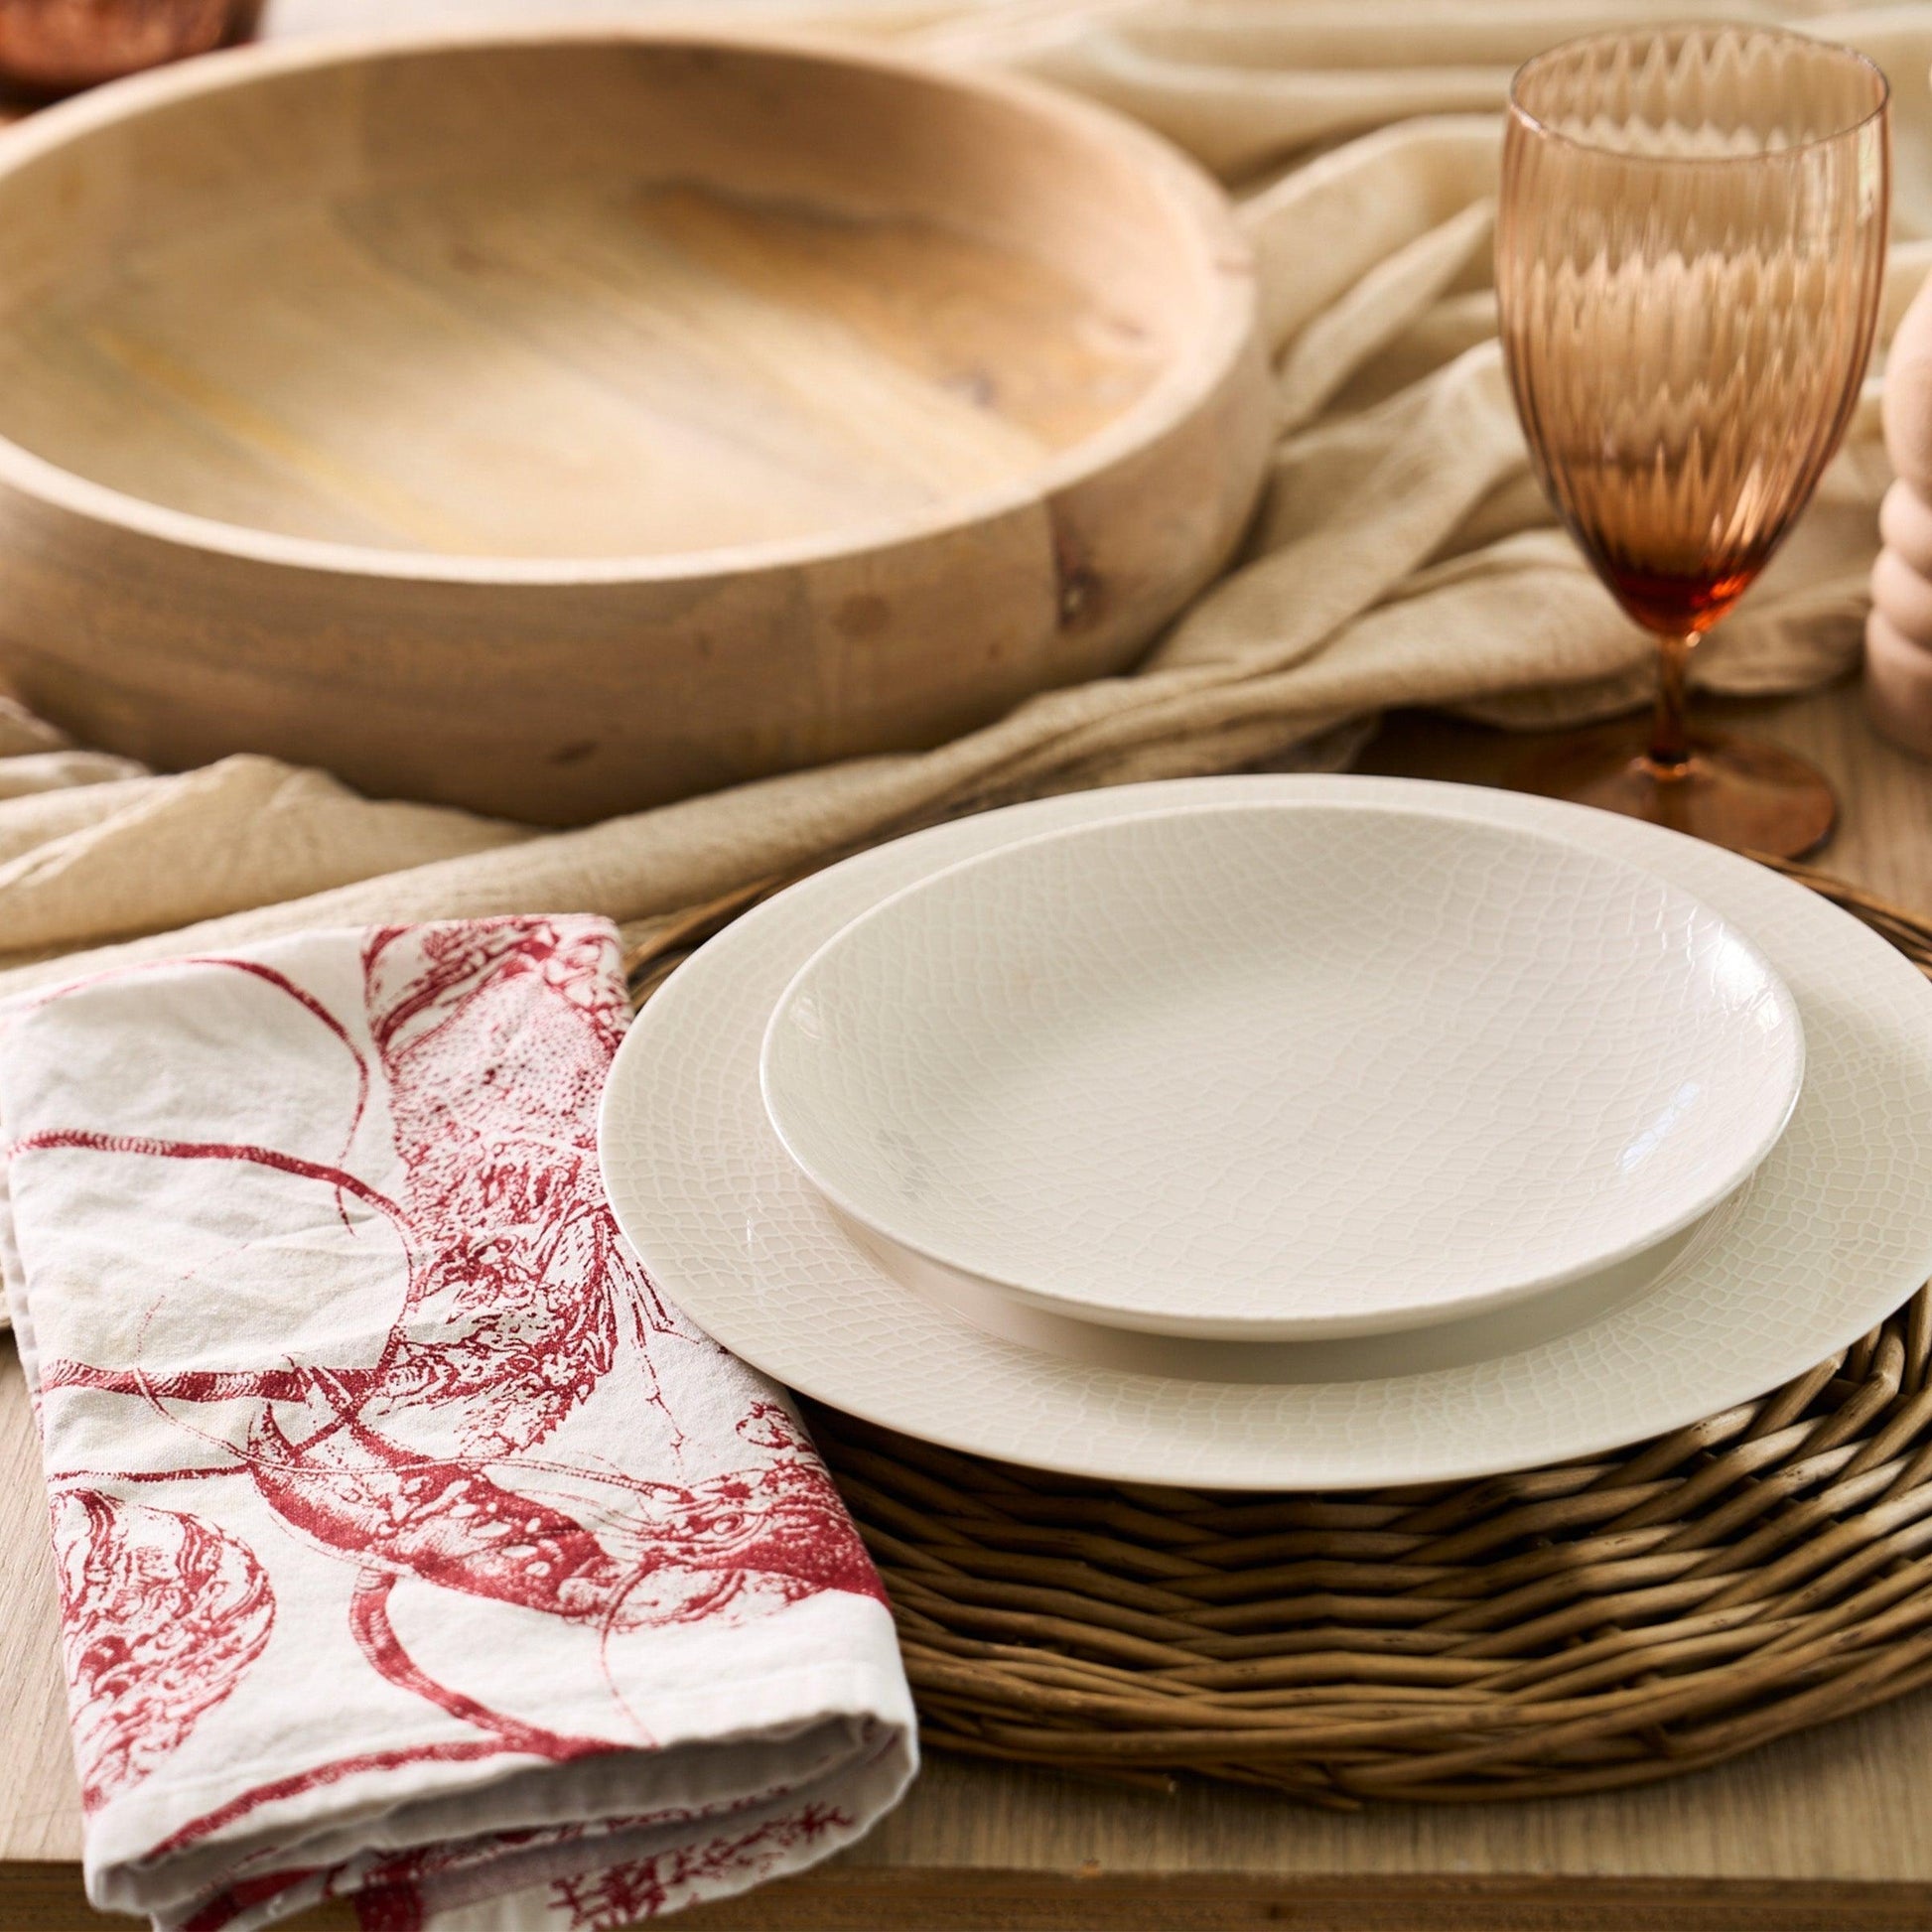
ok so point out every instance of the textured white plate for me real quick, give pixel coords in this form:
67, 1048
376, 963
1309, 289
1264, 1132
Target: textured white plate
1833, 1231
1277, 1071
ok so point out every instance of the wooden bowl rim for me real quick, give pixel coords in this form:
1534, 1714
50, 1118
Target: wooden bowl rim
1216, 348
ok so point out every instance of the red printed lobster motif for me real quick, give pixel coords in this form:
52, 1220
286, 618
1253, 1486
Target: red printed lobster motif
161, 1613
490, 1041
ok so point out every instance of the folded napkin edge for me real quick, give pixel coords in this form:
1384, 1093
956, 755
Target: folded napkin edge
865, 1691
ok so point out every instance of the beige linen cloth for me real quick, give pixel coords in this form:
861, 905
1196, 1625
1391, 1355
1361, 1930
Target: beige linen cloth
1402, 554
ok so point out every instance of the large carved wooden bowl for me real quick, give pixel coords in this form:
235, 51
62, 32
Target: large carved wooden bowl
556, 423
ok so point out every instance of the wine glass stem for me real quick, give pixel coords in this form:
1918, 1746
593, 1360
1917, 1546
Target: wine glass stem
1670, 743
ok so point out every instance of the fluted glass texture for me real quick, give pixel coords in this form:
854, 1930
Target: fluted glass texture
1690, 245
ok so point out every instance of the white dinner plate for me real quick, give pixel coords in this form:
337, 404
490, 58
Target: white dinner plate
1832, 1232
1282, 1070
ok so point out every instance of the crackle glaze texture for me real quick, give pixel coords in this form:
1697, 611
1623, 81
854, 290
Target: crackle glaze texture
1834, 1231
1282, 1070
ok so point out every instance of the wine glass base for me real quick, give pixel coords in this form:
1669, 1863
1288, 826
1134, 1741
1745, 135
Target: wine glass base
1735, 792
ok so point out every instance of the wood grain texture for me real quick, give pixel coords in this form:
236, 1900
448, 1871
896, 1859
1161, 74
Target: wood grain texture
49, 1899
38, 1797
556, 422
1826, 1829
1029, 1902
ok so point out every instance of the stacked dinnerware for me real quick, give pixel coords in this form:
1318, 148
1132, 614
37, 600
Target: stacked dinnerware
1283, 1131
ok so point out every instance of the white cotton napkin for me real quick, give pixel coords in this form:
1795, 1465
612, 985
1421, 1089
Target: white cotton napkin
409, 1545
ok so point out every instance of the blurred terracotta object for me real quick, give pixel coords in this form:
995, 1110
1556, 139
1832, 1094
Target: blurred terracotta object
57, 46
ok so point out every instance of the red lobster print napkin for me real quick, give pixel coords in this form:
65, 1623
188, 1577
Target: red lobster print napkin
409, 1545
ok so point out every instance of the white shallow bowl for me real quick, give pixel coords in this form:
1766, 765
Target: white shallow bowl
1830, 1235
1331, 1359
1282, 1070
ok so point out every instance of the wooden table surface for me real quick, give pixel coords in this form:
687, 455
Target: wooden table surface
1830, 1829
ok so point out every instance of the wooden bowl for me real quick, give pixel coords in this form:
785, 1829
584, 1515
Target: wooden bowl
559, 422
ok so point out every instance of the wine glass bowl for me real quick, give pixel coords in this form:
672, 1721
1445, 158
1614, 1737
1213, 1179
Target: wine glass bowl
1691, 244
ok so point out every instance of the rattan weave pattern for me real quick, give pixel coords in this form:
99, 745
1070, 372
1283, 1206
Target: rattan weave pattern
1569, 1628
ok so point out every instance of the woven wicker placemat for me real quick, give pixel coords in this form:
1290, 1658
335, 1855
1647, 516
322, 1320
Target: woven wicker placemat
1571, 1629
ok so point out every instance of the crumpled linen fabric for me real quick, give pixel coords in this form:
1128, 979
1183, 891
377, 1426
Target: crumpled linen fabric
1401, 555
409, 1548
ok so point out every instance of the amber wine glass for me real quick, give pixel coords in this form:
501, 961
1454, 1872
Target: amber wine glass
1688, 253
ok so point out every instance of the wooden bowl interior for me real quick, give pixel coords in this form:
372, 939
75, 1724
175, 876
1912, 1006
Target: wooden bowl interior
597, 299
